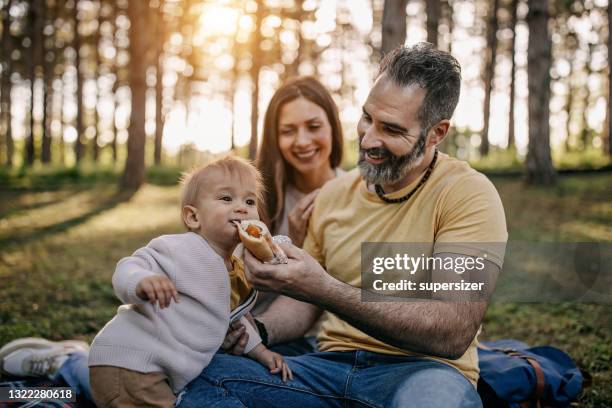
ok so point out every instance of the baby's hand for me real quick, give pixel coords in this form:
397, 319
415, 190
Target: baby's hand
274, 361
157, 288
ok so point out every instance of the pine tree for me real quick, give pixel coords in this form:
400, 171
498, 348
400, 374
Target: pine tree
539, 167
134, 172
393, 25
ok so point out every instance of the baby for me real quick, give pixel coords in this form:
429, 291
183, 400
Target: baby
180, 294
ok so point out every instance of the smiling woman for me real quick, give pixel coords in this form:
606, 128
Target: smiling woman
304, 141
300, 150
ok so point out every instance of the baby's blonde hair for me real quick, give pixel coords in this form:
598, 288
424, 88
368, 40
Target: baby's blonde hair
194, 182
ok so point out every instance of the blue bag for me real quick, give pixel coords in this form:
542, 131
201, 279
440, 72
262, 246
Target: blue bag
514, 375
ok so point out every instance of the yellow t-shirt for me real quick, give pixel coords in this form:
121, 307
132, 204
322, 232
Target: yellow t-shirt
240, 287
455, 205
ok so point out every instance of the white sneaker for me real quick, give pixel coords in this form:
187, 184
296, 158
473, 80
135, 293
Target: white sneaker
34, 357
34, 362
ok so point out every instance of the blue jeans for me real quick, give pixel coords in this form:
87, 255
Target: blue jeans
75, 373
297, 347
331, 379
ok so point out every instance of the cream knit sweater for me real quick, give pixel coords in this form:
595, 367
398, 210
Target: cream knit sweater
181, 339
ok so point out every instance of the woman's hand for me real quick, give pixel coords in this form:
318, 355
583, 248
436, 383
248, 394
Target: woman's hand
299, 216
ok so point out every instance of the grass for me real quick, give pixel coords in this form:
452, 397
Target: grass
59, 245
53, 178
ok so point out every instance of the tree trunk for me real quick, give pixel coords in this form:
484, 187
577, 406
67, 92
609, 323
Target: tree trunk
393, 25
5, 99
253, 143
451, 24
513, 22
134, 172
48, 68
97, 72
489, 73
60, 59
571, 44
448, 143
447, 16
115, 130
159, 89
33, 61
569, 106
254, 72
539, 168
62, 143
78, 143
608, 145
377, 7
235, 73
115, 68
585, 137
433, 11
293, 69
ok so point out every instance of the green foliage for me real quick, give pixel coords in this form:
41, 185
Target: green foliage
509, 161
350, 154
586, 159
242, 151
499, 160
163, 176
55, 177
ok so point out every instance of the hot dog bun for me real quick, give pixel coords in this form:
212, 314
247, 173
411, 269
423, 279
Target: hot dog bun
256, 238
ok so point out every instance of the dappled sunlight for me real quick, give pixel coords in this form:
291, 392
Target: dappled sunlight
151, 208
578, 209
61, 282
584, 230
89, 212
20, 201
72, 204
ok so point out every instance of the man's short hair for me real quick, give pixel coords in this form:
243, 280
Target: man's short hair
195, 181
437, 72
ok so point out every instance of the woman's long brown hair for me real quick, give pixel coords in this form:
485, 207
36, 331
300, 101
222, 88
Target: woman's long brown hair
276, 172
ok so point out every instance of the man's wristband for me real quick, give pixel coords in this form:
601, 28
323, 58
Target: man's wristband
263, 333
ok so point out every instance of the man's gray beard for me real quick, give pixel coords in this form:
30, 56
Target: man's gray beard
394, 168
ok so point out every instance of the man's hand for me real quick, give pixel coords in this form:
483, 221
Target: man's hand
299, 216
157, 289
301, 278
274, 361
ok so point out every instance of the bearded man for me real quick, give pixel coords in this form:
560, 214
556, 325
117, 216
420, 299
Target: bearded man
383, 353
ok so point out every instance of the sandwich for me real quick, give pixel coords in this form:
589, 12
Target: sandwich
257, 239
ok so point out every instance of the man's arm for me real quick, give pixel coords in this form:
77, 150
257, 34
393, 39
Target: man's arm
288, 319
443, 328
285, 319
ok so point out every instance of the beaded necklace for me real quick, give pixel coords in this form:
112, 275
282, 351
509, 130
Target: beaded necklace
381, 193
